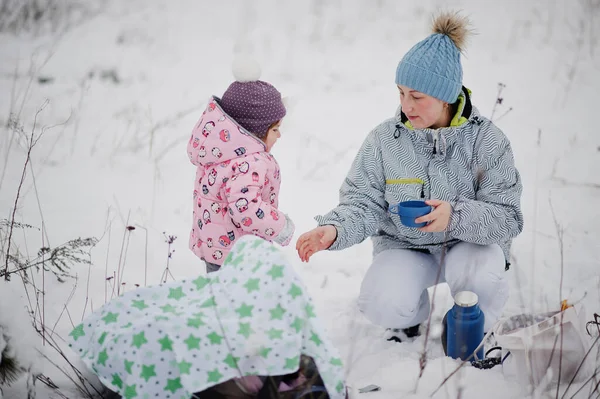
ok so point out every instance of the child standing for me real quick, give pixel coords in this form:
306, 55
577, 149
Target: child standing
237, 179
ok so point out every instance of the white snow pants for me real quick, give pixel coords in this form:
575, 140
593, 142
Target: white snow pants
394, 294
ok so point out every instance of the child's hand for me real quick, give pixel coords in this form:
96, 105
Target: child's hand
316, 240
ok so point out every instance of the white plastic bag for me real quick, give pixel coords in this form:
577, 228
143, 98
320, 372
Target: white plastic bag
541, 344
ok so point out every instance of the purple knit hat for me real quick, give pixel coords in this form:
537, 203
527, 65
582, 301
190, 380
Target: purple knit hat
252, 103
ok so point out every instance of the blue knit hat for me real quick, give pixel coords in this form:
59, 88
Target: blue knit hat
433, 66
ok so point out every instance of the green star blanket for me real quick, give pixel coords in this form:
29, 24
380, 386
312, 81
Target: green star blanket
252, 317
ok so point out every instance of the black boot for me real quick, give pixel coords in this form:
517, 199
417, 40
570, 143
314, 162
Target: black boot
399, 334
445, 334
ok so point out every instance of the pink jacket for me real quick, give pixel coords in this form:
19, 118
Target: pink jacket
236, 187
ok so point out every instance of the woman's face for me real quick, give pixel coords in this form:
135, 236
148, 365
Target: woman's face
423, 111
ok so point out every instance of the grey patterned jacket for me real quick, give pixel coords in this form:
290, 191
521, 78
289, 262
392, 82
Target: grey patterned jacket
469, 164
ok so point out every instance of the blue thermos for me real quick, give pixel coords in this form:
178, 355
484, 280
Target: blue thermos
464, 327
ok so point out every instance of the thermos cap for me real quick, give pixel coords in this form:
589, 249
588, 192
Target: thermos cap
466, 298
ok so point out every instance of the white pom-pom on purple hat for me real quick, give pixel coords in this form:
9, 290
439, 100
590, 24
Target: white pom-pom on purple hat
246, 69
252, 103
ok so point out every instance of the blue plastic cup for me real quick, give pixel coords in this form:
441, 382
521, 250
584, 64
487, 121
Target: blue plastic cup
409, 211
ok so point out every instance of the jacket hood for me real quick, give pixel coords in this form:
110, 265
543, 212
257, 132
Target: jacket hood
219, 138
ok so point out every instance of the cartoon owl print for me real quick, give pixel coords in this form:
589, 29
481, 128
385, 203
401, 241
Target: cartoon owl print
272, 198
201, 152
244, 167
206, 216
216, 208
212, 177
247, 221
217, 255
269, 232
208, 128
255, 177
241, 205
274, 214
196, 142
224, 135
224, 241
217, 152
211, 107
209, 242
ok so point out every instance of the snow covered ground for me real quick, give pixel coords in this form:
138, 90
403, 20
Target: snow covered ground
126, 86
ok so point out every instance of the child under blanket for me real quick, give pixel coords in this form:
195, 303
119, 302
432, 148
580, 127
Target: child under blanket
247, 330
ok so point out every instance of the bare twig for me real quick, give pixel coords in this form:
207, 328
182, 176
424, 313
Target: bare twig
48, 382
565, 182
32, 142
423, 357
560, 235
43, 290
169, 240
504, 114
87, 291
145, 254
113, 283
106, 263
535, 215
81, 385
10, 137
61, 258
466, 361
121, 256
580, 366
66, 304
592, 377
499, 99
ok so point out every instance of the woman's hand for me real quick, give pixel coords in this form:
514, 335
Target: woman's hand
316, 240
439, 218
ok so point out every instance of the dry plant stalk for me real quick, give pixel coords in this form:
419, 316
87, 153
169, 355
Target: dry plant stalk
33, 140
423, 357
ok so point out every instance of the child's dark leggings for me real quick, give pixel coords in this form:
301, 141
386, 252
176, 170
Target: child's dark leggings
211, 267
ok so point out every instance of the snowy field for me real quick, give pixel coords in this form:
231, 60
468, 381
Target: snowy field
123, 84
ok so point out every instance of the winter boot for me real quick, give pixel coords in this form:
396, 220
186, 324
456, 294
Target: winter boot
445, 334
400, 334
